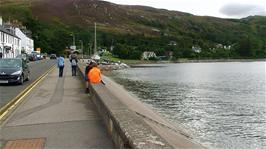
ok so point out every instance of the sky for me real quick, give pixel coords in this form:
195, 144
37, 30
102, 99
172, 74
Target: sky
216, 8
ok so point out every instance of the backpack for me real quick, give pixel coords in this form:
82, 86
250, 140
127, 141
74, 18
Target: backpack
73, 62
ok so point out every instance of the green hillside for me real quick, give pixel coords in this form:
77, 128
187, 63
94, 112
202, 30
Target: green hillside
134, 29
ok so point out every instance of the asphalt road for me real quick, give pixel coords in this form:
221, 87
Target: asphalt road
37, 68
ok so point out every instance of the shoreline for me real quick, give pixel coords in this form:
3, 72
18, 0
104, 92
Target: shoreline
135, 65
218, 60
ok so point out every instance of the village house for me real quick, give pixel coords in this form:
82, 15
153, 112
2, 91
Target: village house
14, 40
196, 49
10, 44
172, 43
147, 55
27, 44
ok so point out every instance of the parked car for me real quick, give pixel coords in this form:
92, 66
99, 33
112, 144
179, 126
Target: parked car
44, 55
39, 56
32, 57
14, 70
36, 55
52, 56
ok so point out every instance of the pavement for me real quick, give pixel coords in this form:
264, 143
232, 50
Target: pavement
57, 114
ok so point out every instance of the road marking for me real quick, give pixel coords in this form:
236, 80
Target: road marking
9, 107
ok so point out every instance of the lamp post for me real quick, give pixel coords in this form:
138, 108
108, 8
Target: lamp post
89, 48
95, 39
74, 43
73, 39
81, 42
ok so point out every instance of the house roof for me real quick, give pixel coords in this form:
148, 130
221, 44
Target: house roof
7, 32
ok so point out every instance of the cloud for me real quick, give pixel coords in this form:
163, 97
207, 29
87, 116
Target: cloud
242, 10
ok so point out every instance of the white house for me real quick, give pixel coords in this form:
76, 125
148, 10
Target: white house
10, 45
196, 49
172, 43
27, 44
147, 55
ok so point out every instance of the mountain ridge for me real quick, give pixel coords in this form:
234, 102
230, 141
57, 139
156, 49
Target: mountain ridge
143, 22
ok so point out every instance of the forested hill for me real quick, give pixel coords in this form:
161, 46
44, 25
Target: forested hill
136, 28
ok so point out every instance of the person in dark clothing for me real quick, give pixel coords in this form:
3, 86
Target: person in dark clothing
74, 64
87, 70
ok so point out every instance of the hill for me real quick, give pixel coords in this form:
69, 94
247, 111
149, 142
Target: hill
137, 28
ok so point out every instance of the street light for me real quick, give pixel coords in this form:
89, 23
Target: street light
89, 47
81, 42
73, 35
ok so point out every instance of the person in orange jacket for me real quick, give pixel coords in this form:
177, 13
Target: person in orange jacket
94, 75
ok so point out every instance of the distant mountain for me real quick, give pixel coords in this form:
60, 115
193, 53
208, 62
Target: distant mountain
143, 21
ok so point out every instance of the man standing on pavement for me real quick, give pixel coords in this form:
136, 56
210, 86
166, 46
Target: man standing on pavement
74, 63
60, 65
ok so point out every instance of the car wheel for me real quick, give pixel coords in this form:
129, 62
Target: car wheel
21, 81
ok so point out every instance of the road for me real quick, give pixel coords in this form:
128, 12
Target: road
37, 68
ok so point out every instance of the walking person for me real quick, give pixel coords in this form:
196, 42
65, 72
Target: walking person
61, 65
74, 64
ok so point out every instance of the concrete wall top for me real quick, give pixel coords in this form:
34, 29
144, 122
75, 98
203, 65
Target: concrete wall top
137, 125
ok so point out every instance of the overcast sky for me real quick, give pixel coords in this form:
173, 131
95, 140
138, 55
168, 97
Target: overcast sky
217, 8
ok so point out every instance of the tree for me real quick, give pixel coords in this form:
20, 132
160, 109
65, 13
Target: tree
245, 47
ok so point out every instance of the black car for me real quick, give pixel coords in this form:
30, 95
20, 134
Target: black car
13, 70
32, 57
52, 56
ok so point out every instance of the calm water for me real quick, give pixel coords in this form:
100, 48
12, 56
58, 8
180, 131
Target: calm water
223, 104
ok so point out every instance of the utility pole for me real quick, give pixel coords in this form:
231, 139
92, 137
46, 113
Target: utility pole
81, 42
89, 48
95, 42
74, 40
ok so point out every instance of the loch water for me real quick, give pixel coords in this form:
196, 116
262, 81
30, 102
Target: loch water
222, 104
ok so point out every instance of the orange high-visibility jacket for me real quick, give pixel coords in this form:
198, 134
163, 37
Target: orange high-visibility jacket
94, 75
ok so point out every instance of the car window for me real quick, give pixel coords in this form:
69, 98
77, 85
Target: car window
10, 63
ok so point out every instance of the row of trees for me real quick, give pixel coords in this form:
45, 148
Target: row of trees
244, 48
53, 38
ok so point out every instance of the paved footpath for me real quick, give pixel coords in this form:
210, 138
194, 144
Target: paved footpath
56, 115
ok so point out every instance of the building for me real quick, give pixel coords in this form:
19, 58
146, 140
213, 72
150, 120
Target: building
10, 44
196, 49
14, 40
27, 44
147, 55
172, 43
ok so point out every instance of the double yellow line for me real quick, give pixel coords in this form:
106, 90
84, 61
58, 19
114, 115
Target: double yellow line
9, 107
